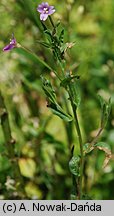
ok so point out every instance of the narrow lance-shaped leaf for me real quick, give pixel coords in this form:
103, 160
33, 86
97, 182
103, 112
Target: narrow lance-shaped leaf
48, 89
43, 43
52, 103
105, 110
75, 92
61, 37
65, 82
57, 110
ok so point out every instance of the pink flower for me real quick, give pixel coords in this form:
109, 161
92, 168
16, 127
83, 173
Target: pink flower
11, 45
45, 10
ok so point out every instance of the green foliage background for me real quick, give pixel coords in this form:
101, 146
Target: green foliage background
42, 141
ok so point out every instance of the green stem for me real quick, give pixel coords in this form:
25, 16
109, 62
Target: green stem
54, 28
80, 143
52, 22
68, 125
81, 152
93, 142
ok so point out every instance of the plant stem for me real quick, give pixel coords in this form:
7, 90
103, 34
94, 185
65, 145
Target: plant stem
54, 28
68, 125
80, 143
51, 22
96, 137
81, 152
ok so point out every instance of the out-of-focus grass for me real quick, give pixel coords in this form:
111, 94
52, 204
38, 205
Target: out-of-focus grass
41, 140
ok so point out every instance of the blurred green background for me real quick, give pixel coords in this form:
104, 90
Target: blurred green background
42, 145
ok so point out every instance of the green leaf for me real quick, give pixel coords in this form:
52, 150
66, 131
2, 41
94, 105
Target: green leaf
75, 92
47, 45
61, 37
73, 83
65, 82
48, 89
48, 32
105, 110
52, 103
57, 110
87, 148
57, 25
74, 165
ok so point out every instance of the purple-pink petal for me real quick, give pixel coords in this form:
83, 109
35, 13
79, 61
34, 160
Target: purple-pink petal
42, 6
51, 11
13, 41
8, 47
45, 4
40, 10
11, 45
51, 7
43, 16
